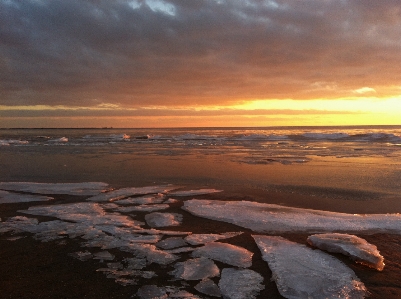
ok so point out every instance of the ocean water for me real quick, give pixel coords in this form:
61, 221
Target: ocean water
349, 163
166, 197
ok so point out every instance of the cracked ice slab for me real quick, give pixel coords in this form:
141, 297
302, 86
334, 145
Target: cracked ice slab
195, 269
120, 194
86, 188
272, 218
225, 253
8, 197
197, 239
240, 284
163, 219
81, 212
356, 248
301, 272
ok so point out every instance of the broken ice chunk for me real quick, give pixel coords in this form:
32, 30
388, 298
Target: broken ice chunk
84, 212
197, 239
356, 248
103, 255
151, 292
163, 219
240, 284
171, 243
153, 255
8, 197
143, 200
143, 208
81, 255
225, 253
126, 192
195, 269
194, 192
208, 287
301, 272
88, 188
183, 295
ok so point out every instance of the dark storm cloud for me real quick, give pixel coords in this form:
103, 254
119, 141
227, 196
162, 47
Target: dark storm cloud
76, 52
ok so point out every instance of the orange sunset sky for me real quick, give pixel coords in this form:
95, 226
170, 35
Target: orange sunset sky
177, 63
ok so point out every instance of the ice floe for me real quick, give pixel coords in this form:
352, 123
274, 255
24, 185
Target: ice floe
88, 188
301, 272
240, 284
208, 287
225, 253
9, 197
356, 248
163, 219
151, 292
261, 217
143, 208
172, 242
143, 200
195, 269
198, 239
194, 192
120, 194
82, 212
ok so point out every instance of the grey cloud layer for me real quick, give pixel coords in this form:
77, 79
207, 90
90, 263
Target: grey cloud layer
76, 52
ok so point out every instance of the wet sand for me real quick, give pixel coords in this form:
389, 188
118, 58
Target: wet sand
34, 269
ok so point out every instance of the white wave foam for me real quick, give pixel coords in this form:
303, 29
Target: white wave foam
273, 218
301, 272
329, 136
7, 142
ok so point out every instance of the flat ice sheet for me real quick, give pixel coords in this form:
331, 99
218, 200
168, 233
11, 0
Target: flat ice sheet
225, 253
272, 218
301, 272
82, 212
9, 197
356, 248
122, 193
87, 188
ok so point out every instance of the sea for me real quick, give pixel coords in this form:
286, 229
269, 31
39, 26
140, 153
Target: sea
336, 171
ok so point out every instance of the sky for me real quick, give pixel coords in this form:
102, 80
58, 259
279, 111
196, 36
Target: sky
184, 63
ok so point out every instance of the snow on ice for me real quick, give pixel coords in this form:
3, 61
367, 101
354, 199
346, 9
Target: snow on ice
301, 272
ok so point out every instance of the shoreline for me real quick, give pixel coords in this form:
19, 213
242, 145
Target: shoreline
34, 269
